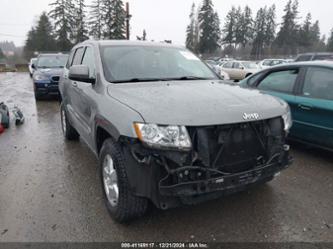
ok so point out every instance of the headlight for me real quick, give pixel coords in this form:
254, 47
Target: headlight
288, 122
40, 77
162, 136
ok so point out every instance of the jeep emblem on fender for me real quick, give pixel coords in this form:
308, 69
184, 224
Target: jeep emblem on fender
251, 116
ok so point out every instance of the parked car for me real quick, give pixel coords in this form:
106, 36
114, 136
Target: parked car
270, 63
31, 70
165, 128
217, 69
308, 89
48, 70
239, 70
314, 57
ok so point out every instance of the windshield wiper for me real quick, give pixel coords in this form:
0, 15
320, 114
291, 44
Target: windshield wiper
192, 78
134, 80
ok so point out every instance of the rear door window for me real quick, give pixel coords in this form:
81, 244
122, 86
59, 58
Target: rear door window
281, 81
318, 83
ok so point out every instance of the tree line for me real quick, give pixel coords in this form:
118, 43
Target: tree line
72, 21
254, 35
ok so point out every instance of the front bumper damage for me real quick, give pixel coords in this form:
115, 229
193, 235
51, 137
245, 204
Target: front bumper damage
224, 160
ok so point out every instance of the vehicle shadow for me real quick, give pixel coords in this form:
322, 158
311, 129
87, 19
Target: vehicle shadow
247, 212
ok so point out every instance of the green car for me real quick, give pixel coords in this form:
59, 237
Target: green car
308, 89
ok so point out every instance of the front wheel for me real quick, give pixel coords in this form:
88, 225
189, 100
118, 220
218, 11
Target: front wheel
68, 130
121, 203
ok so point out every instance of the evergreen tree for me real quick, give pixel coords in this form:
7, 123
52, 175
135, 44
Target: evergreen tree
2, 55
63, 14
305, 33
44, 39
96, 19
270, 30
264, 31
229, 28
330, 42
315, 33
191, 36
41, 38
118, 23
81, 32
259, 34
144, 35
29, 47
238, 35
245, 25
209, 25
286, 40
107, 17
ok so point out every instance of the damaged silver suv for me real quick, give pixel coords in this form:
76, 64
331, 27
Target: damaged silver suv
165, 128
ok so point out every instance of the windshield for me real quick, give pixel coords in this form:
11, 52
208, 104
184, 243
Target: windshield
52, 61
143, 63
250, 65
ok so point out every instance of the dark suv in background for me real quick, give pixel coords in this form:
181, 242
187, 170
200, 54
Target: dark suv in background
314, 57
48, 69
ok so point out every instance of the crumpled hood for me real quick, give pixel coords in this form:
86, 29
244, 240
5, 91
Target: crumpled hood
195, 103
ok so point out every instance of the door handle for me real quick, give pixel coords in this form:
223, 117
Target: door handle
74, 84
305, 107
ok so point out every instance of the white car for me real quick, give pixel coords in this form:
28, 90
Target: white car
270, 63
31, 70
217, 69
239, 70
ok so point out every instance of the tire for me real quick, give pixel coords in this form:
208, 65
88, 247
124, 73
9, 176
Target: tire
38, 96
68, 130
123, 206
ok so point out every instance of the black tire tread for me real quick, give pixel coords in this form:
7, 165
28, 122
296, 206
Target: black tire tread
129, 206
71, 134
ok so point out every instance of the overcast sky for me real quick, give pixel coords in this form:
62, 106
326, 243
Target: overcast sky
162, 19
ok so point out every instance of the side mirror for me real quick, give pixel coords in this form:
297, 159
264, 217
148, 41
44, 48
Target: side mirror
80, 73
33, 66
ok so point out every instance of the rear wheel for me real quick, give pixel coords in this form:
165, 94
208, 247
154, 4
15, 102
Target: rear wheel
121, 203
68, 130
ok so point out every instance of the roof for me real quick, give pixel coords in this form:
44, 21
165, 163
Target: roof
298, 64
51, 54
316, 53
129, 43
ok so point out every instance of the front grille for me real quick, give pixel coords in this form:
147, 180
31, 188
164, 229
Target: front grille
55, 79
236, 147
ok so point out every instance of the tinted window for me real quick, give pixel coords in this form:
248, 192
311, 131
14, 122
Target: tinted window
266, 63
319, 83
88, 60
228, 65
78, 56
237, 65
282, 81
304, 58
252, 80
322, 57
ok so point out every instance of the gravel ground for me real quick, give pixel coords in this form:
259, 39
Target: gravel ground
50, 191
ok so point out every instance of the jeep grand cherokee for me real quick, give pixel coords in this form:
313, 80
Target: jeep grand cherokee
165, 128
